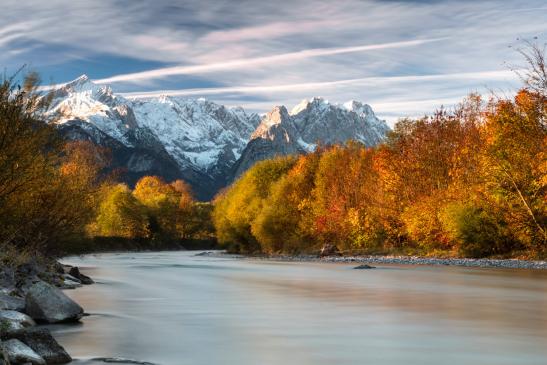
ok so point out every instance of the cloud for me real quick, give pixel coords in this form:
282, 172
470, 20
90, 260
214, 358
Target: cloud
261, 53
266, 31
240, 63
317, 86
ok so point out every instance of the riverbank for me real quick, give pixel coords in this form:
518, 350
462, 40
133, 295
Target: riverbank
31, 295
396, 260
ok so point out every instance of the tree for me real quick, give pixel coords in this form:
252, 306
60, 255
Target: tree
46, 186
187, 212
237, 208
515, 164
162, 202
285, 223
120, 214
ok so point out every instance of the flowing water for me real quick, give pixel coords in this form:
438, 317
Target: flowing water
175, 308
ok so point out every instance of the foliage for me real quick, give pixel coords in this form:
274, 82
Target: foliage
47, 187
470, 181
120, 214
478, 231
237, 208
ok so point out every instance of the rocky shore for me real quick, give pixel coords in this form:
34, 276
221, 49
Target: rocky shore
415, 260
31, 295
392, 260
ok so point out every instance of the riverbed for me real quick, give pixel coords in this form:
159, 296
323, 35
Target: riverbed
176, 308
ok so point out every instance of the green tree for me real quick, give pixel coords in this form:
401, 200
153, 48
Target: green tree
120, 214
237, 208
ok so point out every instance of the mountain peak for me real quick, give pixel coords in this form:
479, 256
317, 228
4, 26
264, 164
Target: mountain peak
82, 83
278, 115
359, 108
82, 78
305, 104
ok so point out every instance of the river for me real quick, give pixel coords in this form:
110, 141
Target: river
175, 308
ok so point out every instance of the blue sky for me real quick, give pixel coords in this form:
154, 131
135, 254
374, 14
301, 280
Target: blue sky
404, 58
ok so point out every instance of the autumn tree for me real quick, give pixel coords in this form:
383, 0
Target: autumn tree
120, 214
285, 222
515, 164
46, 185
237, 208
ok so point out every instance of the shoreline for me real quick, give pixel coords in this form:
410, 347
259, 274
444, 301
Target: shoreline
31, 299
396, 260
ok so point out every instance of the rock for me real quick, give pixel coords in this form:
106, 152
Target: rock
58, 267
46, 303
19, 353
205, 253
8, 302
84, 279
11, 321
364, 267
7, 277
120, 360
42, 342
3, 356
71, 278
69, 282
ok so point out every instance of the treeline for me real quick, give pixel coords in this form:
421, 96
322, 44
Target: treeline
155, 213
56, 197
469, 182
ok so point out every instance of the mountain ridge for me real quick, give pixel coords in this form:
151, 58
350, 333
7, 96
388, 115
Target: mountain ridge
197, 140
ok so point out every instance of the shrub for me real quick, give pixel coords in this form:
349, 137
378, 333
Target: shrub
478, 231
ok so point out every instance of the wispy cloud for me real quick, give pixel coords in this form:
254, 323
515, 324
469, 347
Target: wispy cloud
261, 53
240, 63
319, 86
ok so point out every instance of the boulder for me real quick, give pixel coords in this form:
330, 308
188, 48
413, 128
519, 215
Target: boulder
8, 302
364, 267
7, 277
84, 279
13, 321
19, 353
3, 356
70, 282
46, 303
58, 267
42, 342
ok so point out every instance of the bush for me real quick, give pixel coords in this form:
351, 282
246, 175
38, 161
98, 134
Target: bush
478, 231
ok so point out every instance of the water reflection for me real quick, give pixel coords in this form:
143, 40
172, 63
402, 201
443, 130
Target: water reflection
175, 308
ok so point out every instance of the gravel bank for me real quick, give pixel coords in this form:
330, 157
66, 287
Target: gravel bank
395, 260
416, 260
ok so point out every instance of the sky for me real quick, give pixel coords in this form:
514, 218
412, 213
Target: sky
405, 58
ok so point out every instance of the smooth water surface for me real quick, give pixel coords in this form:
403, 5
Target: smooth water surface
175, 308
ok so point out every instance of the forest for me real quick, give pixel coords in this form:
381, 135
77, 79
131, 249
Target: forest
468, 181
56, 196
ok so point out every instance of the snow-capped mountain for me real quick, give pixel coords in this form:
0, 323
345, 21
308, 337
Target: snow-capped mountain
197, 140
276, 135
311, 122
318, 120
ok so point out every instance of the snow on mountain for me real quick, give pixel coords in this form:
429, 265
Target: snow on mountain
196, 133
198, 140
275, 136
310, 122
317, 120
82, 100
